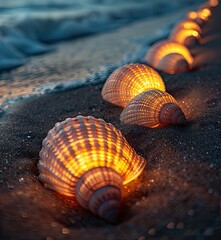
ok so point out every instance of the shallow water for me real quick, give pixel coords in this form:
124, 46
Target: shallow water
29, 27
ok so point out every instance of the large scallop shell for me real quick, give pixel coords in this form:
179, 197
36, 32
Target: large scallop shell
153, 109
129, 81
188, 25
187, 37
173, 63
90, 160
165, 47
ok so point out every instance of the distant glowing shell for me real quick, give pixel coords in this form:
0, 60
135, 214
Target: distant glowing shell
186, 37
200, 16
153, 109
90, 160
188, 25
193, 15
165, 47
129, 81
204, 14
173, 63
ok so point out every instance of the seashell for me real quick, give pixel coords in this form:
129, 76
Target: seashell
204, 14
90, 160
129, 81
187, 24
173, 63
160, 49
201, 16
153, 109
186, 37
193, 15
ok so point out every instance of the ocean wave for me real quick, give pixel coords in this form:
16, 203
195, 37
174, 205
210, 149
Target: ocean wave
23, 36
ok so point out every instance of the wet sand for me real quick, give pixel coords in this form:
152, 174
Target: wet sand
176, 197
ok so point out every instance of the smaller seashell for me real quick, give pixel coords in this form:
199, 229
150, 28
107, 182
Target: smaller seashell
204, 14
193, 15
201, 16
129, 81
173, 63
165, 47
153, 109
186, 37
188, 25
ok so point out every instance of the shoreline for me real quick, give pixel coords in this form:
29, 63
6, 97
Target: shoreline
176, 197
80, 59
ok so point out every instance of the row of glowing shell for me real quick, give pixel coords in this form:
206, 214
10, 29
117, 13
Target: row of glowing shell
141, 91
173, 55
90, 160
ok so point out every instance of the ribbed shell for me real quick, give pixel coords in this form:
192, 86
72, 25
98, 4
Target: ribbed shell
153, 109
129, 81
188, 25
80, 144
186, 37
200, 17
165, 47
173, 63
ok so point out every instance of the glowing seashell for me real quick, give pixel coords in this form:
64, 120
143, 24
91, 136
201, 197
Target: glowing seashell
204, 14
90, 160
129, 81
153, 109
188, 25
193, 15
173, 63
186, 37
165, 47
200, 16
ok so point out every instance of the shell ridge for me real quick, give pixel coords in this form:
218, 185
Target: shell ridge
144, 110
128, 81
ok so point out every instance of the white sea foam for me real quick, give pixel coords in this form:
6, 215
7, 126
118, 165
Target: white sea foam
102, 75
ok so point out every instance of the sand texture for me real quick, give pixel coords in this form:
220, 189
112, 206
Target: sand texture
176, 197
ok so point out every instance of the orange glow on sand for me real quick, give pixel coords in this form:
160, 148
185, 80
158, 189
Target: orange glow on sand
129, 81
165, 47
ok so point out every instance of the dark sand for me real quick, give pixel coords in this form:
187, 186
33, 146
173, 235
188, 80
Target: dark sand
176, 197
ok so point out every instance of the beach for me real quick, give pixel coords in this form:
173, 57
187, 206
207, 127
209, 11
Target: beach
177, 196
